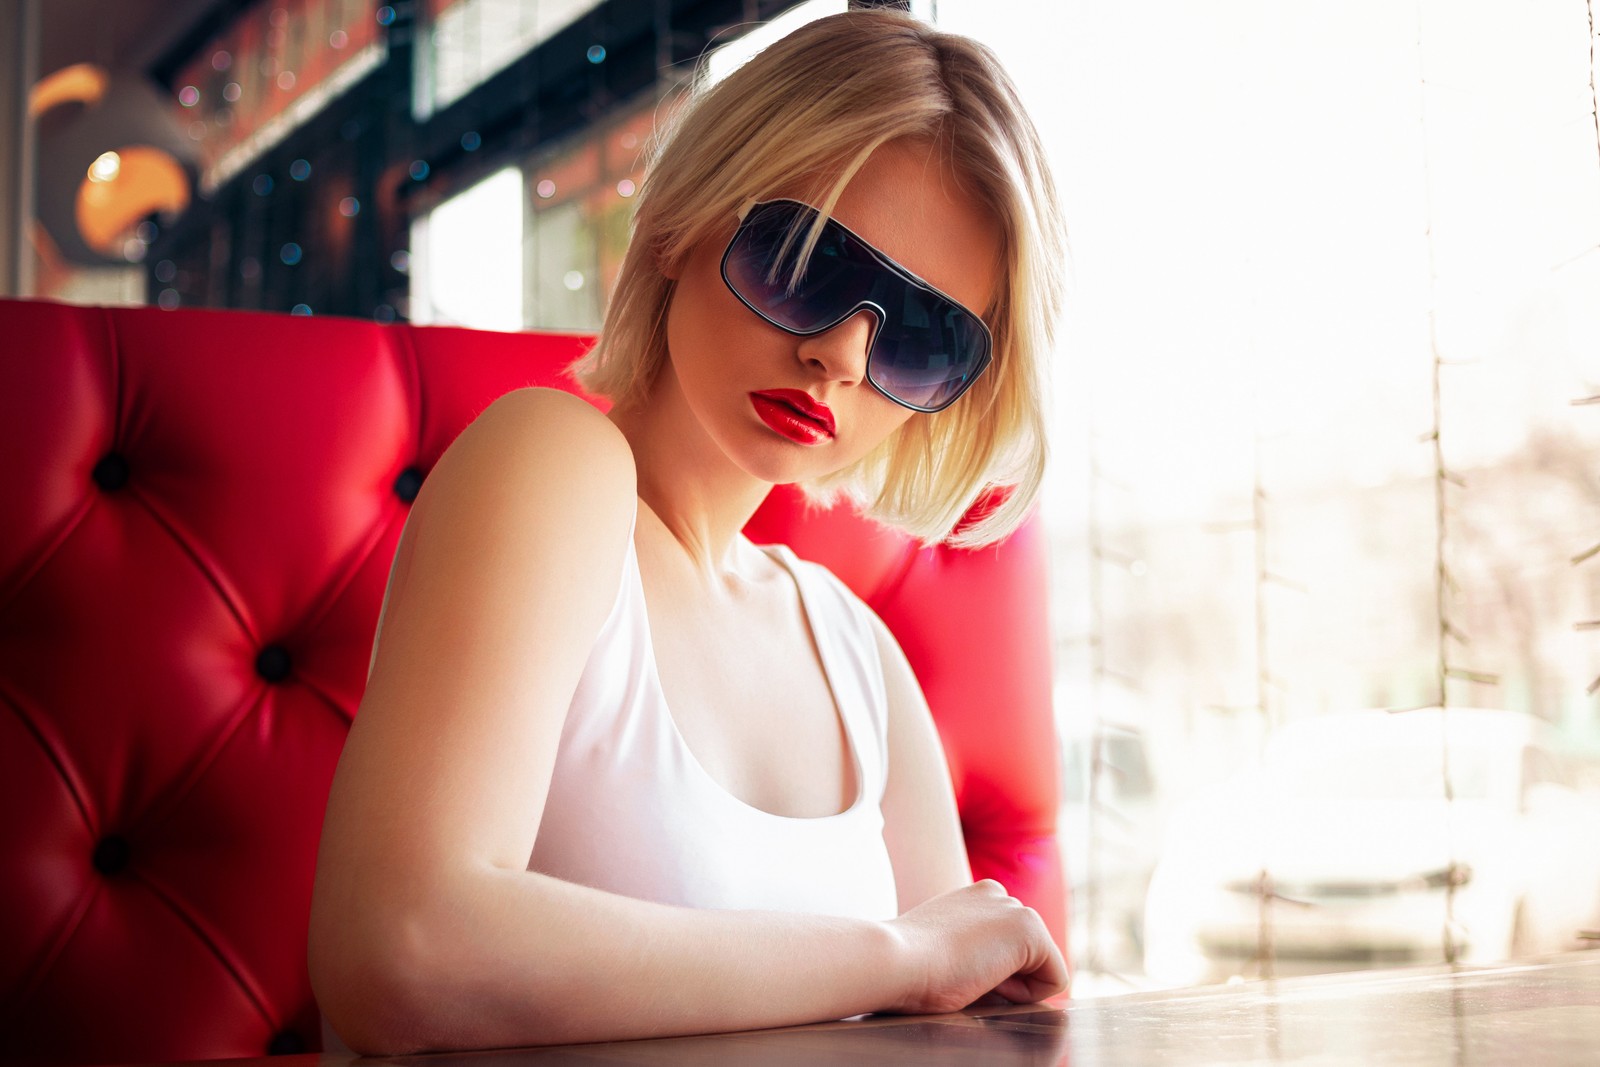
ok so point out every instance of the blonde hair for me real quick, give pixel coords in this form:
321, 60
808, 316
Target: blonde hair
819, 102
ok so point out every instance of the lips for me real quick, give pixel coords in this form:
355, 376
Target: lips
803, 403
781, 410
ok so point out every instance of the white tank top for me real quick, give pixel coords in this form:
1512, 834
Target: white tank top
631, 809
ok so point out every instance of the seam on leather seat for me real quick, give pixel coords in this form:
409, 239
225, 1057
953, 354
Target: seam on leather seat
408, 347
162, 807
318, 692
27, 573
114, 353
230, 598
333, 590
47, 959
190, 916
55, 752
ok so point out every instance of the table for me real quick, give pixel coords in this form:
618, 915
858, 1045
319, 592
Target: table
1530, 1013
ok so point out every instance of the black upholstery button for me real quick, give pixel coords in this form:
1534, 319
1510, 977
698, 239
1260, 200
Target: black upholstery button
273, 663
286, 1043
111, 854
408, 484
111, 473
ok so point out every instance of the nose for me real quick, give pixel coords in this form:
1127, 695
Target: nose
839, 353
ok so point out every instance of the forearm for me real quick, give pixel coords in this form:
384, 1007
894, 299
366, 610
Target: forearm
520, 959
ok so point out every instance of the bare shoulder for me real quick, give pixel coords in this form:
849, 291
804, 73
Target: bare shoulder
548, 426
534, 497
540, 462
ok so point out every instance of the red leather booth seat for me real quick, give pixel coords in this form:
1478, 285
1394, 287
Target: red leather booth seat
198, 510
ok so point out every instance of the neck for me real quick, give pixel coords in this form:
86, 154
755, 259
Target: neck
697, 493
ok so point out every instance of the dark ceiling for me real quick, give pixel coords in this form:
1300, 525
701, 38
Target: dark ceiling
116, 34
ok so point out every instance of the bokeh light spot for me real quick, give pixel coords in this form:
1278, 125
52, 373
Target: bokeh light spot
300, 309
262, 185
188, 96
105, 168
471, 141
596, 53
546, 188
419, 169
168, 299
626, 187
290, 253
349, 207
300, 170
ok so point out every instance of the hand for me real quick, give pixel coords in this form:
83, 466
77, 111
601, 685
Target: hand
972, 941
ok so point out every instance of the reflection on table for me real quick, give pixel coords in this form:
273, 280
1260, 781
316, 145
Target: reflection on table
1535, 1013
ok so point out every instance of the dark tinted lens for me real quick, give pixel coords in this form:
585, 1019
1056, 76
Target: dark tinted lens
760, 265
929, 350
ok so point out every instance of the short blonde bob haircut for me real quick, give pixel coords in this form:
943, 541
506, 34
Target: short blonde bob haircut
814, 106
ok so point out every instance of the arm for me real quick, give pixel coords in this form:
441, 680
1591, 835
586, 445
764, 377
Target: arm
921, 825
922, 830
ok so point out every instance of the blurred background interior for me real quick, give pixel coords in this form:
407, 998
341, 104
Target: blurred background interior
1325, 503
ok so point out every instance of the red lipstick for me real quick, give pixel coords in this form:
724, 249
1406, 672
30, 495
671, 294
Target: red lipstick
794, 414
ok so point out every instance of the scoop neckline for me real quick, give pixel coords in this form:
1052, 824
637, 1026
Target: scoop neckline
784, 556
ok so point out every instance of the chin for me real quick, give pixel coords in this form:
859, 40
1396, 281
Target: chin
779, 462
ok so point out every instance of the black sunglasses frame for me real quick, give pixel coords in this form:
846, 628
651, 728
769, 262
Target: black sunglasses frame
879, 315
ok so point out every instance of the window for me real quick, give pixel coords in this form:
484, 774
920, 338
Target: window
465, 42
467, 257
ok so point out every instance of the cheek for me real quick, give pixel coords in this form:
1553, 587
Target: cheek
881, 421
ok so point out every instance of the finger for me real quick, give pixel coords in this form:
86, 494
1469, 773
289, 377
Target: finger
1047, 978
1055, 970
1025, 989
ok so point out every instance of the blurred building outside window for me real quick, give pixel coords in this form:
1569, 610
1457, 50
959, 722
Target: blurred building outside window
468, 41
1277, 248
275, 66
539, 244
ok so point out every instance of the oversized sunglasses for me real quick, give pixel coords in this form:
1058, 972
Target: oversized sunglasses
926, 349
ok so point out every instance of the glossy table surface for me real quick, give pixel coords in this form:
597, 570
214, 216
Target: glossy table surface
1533, 1012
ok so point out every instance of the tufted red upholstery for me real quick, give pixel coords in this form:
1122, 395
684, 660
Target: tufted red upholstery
197, 514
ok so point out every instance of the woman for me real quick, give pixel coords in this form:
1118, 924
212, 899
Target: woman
842, 275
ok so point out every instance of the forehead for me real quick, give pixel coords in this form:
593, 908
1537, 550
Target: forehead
907, 203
